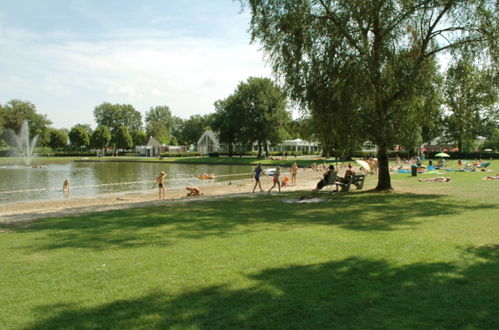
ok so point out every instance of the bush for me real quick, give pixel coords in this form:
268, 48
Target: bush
180, 154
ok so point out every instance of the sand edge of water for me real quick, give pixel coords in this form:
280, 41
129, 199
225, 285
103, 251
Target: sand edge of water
30, 211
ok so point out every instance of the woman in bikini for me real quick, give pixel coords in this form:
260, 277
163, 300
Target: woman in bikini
277, 173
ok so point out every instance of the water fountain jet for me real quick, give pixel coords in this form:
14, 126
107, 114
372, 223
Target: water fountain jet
22, 144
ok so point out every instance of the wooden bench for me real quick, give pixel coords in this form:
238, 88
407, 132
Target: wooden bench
357, 180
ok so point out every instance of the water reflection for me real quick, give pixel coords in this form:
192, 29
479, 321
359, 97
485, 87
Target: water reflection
20, 183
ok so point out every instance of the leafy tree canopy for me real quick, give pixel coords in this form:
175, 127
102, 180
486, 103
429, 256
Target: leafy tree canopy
15, 112
116, 115
375, 51
159, 122
101, 137
58, 138
79, 136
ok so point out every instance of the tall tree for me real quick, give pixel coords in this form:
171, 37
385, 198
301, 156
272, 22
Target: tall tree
58, 138
264, 107
116, 115
382, 47
195, 126
139, 138
176, 130
471, 97
101, 137
228, 121
79, 136
123, 138
15, 112
159, 122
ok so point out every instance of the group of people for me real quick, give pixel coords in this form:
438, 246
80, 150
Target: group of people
192, 190
258, 171
331, 177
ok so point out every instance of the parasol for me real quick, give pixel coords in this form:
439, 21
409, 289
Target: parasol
442, 154
364, 165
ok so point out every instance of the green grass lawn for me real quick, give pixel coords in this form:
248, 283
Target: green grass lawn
428, 259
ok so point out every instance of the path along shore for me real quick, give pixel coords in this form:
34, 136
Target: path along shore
30, 211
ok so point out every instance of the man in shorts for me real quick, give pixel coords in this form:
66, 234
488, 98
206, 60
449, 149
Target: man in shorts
160, 181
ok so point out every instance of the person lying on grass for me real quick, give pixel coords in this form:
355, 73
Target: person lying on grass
436, 179
491, 177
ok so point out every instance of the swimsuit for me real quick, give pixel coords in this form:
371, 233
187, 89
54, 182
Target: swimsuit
258, 171
161, 185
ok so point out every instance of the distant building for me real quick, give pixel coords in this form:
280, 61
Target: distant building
297, 145
209, 142
152, 149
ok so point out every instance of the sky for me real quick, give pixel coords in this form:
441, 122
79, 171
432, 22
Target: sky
68, 56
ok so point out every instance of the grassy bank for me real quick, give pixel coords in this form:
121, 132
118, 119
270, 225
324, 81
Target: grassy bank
424, 259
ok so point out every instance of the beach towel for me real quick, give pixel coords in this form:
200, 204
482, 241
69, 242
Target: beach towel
305, 201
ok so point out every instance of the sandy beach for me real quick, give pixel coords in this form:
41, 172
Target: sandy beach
29, 211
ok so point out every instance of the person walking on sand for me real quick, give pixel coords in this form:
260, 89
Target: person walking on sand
277, 173
256, 175
160, 181
294, 171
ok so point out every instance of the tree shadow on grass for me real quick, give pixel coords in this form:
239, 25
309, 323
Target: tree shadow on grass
354, 293
160, 225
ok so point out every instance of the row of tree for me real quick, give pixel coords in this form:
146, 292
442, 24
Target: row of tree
118, 125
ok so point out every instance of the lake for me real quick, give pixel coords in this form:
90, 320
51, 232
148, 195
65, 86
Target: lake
90, 179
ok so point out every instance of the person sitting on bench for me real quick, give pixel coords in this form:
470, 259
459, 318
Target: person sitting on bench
326, 178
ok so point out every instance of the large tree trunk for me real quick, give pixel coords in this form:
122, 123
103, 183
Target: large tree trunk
230, 149
384, 180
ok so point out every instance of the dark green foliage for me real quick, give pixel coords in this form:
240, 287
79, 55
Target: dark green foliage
122, 138
471, 98
57, 139
364, 68
15, 112
79, 136
117, 115
194, 127
254, 113
101, 137
159, 122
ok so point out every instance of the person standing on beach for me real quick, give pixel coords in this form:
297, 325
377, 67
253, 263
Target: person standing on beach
160, 181
65, 187
256, 175
294, 172
277, 173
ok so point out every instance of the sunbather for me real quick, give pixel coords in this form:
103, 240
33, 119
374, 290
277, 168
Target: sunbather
491, 177
436, 179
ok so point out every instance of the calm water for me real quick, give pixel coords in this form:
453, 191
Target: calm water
20, 183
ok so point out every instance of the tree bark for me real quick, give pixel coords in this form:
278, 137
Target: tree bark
384, 180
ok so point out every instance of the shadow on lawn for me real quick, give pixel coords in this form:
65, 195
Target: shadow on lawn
355, 293
159, 225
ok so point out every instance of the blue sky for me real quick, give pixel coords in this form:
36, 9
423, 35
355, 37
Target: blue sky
69, 56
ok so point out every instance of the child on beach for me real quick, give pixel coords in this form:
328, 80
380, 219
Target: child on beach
65, 187
294, 172
256, 175
277, 173
194, 191
160, 181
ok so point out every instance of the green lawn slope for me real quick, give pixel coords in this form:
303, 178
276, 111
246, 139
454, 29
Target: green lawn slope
425, 256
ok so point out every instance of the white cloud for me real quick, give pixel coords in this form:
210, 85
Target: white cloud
67, 79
